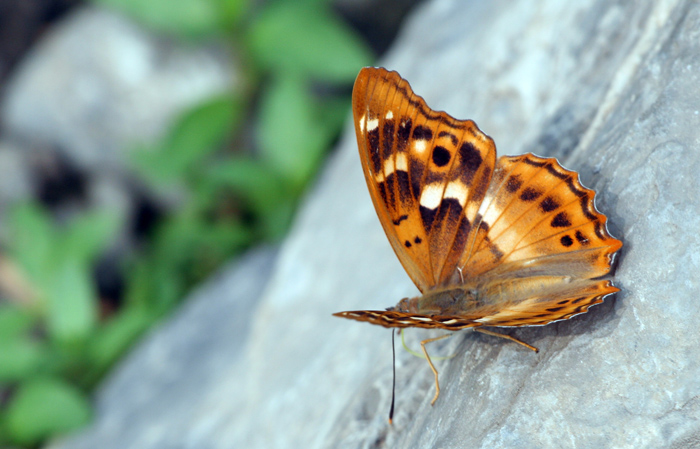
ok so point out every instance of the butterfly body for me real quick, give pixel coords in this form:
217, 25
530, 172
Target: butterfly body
489, 241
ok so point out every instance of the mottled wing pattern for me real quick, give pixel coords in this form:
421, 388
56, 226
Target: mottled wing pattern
539, 227
427, 173
392, 318
536, 211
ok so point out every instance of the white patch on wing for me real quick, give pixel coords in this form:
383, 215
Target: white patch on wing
389, 115
401, 162
363, 119
490, 215
372, 124
458, 191
419, 146
431, 196
388, 167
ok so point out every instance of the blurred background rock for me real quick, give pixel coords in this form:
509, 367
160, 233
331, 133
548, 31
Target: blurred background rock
143, 144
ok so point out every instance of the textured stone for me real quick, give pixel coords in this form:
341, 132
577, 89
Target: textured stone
611, 89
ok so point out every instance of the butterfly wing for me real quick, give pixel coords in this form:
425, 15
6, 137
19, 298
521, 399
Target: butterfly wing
541, 246
536, 212
427, 173
523, 232
524, 307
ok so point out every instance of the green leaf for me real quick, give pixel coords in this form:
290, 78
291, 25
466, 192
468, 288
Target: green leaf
19, 359
87, 235
45, 407
261, 189
304, 37
154, 284
291, 137
194, 135
255, 182
14, 322
71, 301
31, 240
113, 338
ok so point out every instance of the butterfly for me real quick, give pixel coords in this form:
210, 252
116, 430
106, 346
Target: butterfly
501, 242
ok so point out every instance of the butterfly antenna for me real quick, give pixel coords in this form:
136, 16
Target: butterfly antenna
393, 382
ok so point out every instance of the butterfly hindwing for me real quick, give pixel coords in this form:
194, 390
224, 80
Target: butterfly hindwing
537, 212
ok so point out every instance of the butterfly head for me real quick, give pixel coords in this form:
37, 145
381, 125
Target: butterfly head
406, 305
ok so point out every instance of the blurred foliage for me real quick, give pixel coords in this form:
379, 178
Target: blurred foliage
235, 188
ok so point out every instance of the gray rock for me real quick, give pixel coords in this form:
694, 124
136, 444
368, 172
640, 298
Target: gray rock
611, 89
180, 372
97, 84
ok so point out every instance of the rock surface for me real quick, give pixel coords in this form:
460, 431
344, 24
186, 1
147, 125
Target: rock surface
94, 87
611, 89
98, 84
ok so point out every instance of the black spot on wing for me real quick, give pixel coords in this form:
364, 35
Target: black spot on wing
407, 244
449, 210
530, 194
561, 220
373, 142
381, 187
460, 239
417, 240
403, 134
441, 156
513, 183
404, 186
482, 184
567, 241
416, 169
400, 219
469, 157
483, 225
497, 253
434, 177
388, 138
391, 193
428, 217
581, 238
549, 204
422, 133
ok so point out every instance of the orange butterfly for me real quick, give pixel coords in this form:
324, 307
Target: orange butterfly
509, 241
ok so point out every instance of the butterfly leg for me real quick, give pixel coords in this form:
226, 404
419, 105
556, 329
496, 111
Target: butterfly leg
432, 367
507, 337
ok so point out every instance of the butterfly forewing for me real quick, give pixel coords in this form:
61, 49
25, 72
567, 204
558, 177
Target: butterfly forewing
427, 174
